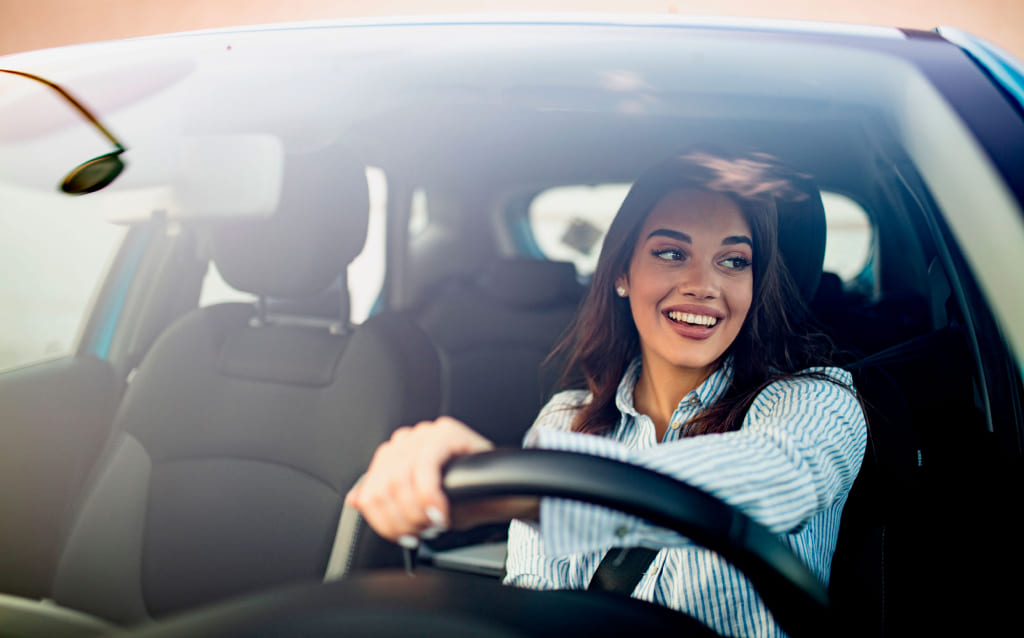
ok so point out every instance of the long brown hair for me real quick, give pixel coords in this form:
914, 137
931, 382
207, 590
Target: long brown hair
777, 339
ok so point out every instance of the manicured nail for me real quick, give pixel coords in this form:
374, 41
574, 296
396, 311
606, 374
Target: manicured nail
432, 532
436, 518
409, 542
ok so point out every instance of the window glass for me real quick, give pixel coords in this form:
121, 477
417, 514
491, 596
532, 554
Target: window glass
365, 273
419, 213
215, 290
54, 255
568, 223
849, 236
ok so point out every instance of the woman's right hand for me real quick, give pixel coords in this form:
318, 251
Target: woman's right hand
400, 495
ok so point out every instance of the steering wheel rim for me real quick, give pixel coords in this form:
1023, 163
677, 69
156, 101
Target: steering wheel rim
797, 599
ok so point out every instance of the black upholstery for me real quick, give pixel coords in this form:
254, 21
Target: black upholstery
892, 574
493, 332
300, 254
240, 433
802, 234
930, 464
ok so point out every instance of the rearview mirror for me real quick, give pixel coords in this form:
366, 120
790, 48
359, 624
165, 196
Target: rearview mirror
94, 174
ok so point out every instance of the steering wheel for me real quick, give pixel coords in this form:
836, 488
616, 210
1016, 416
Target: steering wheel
390, 603
795, 596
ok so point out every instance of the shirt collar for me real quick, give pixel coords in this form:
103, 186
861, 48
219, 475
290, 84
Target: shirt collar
705, 394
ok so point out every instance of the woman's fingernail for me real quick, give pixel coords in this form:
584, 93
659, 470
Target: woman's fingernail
432, 532
436, 518
409, 542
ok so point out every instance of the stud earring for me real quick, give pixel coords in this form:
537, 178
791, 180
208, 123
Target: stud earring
621, 290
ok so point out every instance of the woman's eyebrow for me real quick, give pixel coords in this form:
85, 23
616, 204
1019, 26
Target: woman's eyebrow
673, 234
737, 239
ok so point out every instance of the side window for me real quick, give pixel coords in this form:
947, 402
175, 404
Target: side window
215, 290
850, 236
54, 254
365, 273
568, 223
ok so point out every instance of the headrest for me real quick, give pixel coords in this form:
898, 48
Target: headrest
530, 283
802, 234
318, 229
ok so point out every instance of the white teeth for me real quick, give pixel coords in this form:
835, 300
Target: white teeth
686, 317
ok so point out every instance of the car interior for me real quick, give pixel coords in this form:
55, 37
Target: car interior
212, 445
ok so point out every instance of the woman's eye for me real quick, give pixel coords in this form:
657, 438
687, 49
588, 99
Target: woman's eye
669, 254
736, 263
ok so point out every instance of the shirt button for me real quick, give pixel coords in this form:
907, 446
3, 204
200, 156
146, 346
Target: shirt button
675, 425
621, 531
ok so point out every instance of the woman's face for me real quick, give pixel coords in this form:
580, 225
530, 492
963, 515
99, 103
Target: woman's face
690, 280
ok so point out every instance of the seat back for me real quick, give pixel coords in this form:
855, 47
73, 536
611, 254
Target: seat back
931, 461
493, 331
243, 427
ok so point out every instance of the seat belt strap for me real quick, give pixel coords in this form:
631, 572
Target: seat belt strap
344, 543
621, 569
911, 349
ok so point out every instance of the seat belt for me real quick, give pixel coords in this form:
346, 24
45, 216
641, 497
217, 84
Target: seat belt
911, 349
344, 542
621, 569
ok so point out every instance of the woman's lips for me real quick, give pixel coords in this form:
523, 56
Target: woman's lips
693, 322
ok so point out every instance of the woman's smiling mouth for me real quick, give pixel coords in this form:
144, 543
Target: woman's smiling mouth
692, 319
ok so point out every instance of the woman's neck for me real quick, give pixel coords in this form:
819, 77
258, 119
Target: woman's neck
661, 387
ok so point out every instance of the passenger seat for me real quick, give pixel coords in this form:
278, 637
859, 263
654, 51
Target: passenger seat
245, 425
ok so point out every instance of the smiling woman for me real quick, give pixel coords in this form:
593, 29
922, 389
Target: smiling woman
704, 333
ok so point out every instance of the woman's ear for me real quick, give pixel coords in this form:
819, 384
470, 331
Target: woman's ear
622, 287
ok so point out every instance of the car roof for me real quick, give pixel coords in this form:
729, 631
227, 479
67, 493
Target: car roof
724, 23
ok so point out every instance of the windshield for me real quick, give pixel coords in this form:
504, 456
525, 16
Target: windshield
210, 119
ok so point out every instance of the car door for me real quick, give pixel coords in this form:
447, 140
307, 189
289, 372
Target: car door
81, 302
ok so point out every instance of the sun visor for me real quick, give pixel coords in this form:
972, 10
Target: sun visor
213, 177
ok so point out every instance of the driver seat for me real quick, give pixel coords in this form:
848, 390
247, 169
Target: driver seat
245, 425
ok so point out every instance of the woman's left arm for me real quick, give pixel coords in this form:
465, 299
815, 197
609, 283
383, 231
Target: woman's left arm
799, 449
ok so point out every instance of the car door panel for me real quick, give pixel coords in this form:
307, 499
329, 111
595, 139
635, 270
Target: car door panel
56, 417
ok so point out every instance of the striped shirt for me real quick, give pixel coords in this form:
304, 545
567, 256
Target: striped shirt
789, 466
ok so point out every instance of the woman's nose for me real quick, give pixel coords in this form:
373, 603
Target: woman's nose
699, 281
